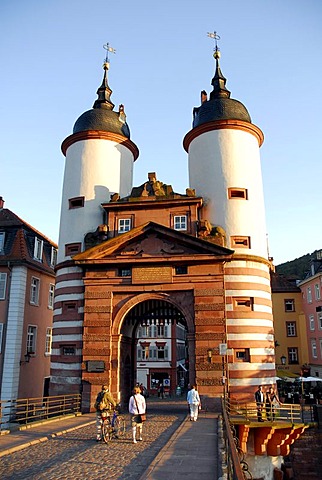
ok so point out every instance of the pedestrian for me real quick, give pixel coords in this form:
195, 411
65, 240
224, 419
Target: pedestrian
104, 405
259, 398
161, 390
194, 403
271, 402
137, 407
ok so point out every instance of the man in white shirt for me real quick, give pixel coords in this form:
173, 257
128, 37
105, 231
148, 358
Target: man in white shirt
194, 403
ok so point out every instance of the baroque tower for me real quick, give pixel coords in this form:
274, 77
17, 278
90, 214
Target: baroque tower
224, 169
99, 163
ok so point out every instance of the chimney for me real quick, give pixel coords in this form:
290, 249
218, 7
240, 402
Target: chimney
1, 203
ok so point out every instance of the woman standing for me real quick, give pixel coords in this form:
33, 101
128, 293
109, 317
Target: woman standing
194, 403
270, 403
137, 407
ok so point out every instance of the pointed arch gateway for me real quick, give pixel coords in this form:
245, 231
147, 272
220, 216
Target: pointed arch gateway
161, 316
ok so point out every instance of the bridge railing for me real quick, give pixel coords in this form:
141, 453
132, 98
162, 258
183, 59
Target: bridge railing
234, 465
247, 412
23, 411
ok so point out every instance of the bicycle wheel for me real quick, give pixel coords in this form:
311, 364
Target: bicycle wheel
119, 426
106, 430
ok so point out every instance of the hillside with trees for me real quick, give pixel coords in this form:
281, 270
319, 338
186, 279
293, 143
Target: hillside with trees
297, 268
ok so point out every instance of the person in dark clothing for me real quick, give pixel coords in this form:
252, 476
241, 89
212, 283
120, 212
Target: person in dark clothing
259, 398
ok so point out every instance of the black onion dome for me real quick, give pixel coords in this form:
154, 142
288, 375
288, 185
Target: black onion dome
220, 109
220, 106
102, 116
101, 119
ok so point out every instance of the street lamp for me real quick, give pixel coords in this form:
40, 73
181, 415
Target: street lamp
283, 360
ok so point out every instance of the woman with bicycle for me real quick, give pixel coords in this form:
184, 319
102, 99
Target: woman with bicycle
137, 407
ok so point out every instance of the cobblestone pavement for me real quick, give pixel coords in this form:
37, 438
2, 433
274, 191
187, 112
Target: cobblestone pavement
76, 455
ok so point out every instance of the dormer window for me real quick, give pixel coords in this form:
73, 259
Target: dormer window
180, 222
38, 248
124, 225
53, 256
2, 239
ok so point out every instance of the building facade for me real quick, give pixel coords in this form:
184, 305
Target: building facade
289, 326
27, 284
311, 288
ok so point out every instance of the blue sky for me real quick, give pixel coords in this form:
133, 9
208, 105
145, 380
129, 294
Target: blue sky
51, 66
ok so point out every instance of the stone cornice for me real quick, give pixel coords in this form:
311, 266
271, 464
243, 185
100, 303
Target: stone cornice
221, 125
102, 135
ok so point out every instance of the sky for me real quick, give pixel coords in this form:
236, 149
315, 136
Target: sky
51, 66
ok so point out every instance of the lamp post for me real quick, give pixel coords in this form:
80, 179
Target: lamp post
283, 360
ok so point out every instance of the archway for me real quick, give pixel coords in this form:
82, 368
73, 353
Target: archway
154, 348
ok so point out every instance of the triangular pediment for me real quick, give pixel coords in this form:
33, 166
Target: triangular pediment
152, 240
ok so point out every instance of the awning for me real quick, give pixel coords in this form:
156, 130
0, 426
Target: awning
286, 374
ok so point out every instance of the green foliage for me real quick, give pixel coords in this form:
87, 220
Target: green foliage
297, 268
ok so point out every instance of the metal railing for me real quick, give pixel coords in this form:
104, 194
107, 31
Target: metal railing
234, 465
23, 411
248, 412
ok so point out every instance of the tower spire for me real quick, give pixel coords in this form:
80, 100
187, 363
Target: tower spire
104, 91
218, 81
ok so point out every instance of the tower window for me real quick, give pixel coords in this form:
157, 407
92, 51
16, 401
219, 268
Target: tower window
69, 308
242, 355
124, 225
240, 242
72, 249
68, 350
76, 202
243, 303
241, 193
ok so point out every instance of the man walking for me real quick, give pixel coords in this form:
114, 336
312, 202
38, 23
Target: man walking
193, 400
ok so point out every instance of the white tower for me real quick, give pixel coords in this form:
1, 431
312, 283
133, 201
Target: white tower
224, 168
99, 163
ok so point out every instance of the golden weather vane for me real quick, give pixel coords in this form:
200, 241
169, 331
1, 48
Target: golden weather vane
215, 37
108, 49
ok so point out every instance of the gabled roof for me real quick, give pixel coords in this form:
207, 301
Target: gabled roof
152, 240
280, 284
20, 241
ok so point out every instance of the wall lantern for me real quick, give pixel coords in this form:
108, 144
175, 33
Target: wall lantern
283, 360
27, 358
209, 355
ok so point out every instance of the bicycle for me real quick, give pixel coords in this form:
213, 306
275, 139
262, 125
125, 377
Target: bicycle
112, 426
